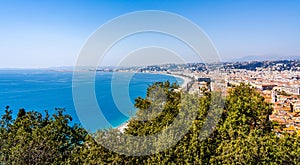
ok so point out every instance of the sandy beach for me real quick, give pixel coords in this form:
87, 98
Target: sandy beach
186, 80
122, 127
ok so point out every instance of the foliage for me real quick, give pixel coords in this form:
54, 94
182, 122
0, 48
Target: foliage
34, 139
282, 92
243, 134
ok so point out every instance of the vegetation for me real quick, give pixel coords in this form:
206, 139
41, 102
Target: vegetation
284, 93
33, 139
243, 135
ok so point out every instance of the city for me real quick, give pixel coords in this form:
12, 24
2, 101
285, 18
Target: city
277, 81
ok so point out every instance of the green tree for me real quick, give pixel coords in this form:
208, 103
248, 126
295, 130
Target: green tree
243, 135
33, 139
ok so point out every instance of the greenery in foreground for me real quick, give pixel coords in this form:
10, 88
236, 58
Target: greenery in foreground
243, 135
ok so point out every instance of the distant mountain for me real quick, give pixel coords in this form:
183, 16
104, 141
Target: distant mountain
265, 58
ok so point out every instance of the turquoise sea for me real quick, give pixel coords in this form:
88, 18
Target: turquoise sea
41, 90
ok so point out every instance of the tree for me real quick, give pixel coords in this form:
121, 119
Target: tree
243, 135
31, 140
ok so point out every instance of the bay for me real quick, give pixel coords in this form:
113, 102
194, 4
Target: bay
41, 90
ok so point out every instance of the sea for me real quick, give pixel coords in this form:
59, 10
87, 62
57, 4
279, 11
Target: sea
41, 90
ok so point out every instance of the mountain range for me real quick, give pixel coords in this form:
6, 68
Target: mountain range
265, 58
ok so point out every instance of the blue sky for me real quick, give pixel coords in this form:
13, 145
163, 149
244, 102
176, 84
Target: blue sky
51, 32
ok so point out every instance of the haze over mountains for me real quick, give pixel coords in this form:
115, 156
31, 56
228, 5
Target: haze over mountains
242, 59
264, 58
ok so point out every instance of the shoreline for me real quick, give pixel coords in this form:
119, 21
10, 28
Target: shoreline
185, 79
123, 126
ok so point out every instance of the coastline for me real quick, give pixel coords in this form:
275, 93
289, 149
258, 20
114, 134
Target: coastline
185, 79
123, 126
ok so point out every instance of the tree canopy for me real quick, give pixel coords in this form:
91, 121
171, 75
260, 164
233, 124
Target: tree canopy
243, 134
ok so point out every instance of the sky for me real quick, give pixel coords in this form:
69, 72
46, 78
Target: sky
51, 33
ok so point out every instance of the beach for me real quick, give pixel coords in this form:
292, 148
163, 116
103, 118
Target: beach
185, 79
122, 127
